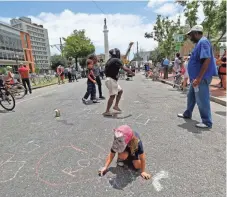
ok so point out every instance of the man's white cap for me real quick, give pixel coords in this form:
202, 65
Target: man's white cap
198, 28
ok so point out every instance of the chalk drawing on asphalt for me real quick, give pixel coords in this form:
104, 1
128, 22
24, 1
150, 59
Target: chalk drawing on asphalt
30, 147
9, 168
156, 180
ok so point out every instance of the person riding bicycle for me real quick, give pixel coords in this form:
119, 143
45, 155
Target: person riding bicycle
9, 77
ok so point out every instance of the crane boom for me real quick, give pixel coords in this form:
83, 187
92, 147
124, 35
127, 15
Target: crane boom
125, 61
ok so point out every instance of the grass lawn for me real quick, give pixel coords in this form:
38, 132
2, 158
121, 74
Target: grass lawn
54, 81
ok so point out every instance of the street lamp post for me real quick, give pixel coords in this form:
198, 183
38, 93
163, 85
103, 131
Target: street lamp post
17, 57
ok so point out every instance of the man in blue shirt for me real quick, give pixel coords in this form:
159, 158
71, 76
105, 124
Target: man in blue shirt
201, 68
165, 65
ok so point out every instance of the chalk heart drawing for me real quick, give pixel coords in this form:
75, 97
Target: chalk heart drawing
156, 180
56, 169
9, 168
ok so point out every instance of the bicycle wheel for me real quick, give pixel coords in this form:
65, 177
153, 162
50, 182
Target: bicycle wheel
18, 91
7, 100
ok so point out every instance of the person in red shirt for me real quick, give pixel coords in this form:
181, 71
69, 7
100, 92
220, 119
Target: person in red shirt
60, 72
24, 73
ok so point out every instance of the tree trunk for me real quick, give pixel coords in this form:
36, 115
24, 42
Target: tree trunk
76, 61
223, 33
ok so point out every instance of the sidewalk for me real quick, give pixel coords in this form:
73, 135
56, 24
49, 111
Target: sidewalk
218, 95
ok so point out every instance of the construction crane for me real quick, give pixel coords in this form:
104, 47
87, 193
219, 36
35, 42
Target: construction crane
125, 57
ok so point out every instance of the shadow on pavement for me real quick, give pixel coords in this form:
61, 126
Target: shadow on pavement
118, 116
124, 176
221, 113
190, 126
65, 122
90, 103
5, 111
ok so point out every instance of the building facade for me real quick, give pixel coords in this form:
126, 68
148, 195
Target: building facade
39, 41
11, 47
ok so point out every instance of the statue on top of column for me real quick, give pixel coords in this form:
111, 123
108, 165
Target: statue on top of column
105, 21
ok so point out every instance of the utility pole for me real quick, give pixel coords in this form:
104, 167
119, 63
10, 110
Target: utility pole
137, 49
61, 48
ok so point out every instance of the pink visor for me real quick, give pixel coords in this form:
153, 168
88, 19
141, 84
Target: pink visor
122, 136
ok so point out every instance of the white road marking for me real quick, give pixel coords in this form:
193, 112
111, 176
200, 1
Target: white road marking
161, 175
35, 97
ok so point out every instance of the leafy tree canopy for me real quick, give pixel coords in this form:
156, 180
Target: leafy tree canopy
77, 45
57, 60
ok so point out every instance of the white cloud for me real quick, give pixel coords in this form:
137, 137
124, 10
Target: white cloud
154, 3
4, 20
122, 28
200, 14
168, 9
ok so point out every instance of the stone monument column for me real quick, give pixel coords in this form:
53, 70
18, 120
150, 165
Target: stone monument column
106, 43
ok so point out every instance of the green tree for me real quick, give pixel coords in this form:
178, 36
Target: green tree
77, 45
220, 21
57, 60
2, 70
37, 69
157, 55
83, 62
210, 10
190, 10
164, 30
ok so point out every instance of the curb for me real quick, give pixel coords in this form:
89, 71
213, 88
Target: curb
217, 100
44, 86
212, 98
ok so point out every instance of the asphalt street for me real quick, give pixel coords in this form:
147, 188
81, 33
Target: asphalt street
44, 156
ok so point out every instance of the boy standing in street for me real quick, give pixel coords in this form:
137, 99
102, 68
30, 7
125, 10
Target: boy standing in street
91, 90
96, 70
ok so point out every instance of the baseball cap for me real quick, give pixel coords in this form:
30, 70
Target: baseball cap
122, 136
196, 28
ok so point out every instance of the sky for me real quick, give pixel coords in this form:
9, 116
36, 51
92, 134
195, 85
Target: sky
126, 20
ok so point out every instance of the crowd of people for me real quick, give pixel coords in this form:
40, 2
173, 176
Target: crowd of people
196, 71
197, 68
127, 143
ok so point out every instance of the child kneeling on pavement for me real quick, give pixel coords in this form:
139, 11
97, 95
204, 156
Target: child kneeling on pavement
129, 147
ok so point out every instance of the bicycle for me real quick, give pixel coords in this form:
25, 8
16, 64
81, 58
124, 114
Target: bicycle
16, 89
6, 98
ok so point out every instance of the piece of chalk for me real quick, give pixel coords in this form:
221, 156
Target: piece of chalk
100, 174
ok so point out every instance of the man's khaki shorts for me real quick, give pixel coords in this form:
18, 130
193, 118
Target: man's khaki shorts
112, 86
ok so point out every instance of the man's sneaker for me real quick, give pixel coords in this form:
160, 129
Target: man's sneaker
182, 116
95, 101
120, 162
84, 100
102, 97
201, 125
